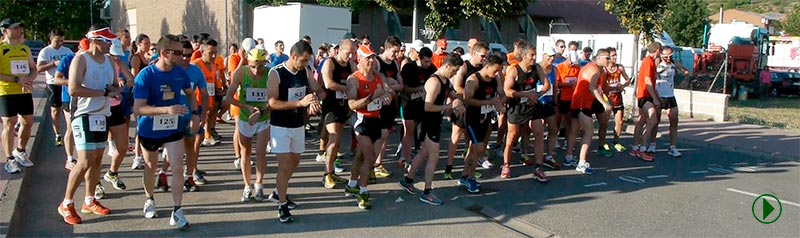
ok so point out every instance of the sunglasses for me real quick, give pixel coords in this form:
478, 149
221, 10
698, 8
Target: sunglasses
104, 40
666, 57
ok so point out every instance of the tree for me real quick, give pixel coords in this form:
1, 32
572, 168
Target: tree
685, 21
792, 23
640, 17
42, 16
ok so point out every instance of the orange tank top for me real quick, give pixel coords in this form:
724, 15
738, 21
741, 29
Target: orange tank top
365, 88
582, 98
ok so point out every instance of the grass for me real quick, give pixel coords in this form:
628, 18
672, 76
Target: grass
780, 113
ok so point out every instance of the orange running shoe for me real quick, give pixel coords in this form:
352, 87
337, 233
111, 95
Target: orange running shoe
70, 215
95, 208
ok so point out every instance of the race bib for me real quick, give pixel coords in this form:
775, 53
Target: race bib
256, 95
571, 80
20, 67
417, 95
375, 105
485, 109
295, 94
539, 89
340, 95
167, 95
165, 122
97, 123
211, 90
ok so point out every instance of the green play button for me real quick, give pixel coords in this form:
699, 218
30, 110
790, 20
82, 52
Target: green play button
766, 208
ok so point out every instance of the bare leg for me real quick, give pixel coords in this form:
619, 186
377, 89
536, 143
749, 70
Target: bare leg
175, 151
262, 139
246, 150
334, 131
287, 163
585, 123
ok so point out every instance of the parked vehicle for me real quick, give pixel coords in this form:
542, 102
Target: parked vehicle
35, 46
785, 83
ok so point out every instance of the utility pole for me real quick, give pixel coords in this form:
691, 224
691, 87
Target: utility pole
91, 13
414, 26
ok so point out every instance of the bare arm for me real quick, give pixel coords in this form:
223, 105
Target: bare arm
625, 76
314, 85
595, 91
60, 80
456, 80
545, 82
432, 88
327, 77
681, 67
136, 63
469, 92
238, 76
352, 93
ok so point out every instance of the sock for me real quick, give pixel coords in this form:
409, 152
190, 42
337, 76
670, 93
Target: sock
58, 135
88, 200
352, 183
321, 152
20, 150
642, 148
67, 202
362, 190
175, 208
426, 191
112, 173
635, 147
409, 180
448, 169
672, 147
259, 187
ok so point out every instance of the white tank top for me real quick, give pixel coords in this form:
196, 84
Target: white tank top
97, 77
665, 84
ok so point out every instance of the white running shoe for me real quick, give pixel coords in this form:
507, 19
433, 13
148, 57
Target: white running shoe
178, 220
150, 209
138, 163
22, 158
236, 163
651, 148
322, 158
674, 152
486, 164
12, 167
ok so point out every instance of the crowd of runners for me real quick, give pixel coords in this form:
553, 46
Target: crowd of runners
177, 87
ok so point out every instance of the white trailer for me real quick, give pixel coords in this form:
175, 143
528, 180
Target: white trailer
291, 22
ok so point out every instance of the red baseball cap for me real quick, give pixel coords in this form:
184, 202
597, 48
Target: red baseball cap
365, 51
441, 43
104, 33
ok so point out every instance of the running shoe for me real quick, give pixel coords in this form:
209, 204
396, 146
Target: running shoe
138, 163
96, 208
570, 161
273, 197
381, 172
237, 163
430, 199
551, 163
69, 214
635, 153
584, 168
161, 183
12, 167
486, 164
363, 201
406, 186
150, 208
652, 148
99, 191
338, 179
477, 175
538, 174
473, 186
199, 178
115, 181
284, 216
619, 147
22, 158
448, 176
189, 185
59, 141
526, 160
260, 196
327, 182
210, 142
674, 152
247, 194
322, 157
215, 135
646, 156
505, 172
350, 191
603, 152
178, 220
337, 165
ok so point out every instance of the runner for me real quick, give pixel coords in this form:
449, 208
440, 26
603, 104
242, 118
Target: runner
482, 99
48, 60
215, 83
440, 53
163, 121
291, 89
520, 86
648, 101
480, 52
547, 107
335, 113
250, 84
560, 47
566, 78
92, 84
588, 99
388, 66
369, 93
17, 72
665, 85
278, 57
139, 61
437, 90
415, 74
118, 121
247, 45
195, 132
62, 78
618, 80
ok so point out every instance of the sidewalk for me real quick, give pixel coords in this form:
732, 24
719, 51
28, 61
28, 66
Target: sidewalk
10, 184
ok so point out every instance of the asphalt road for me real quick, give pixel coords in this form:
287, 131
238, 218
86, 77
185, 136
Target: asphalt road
667, 198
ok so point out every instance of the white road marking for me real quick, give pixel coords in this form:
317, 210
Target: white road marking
699, 172
745, 169
657, 176
631, 179
756, 195
594, 184
629, 168
720, 170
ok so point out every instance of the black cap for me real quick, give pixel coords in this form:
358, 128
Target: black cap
587, 49
349, 35
8, 22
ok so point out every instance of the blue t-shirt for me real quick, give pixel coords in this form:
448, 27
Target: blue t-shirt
552, 78
161, 89
64, 69
559, 60
196, 79
275, 60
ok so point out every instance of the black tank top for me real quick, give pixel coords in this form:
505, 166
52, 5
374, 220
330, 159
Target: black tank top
339, 75
388, 70
471, 69
297, 84
485, 91
525, 81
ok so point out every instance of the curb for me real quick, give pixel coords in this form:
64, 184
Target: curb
10, 198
